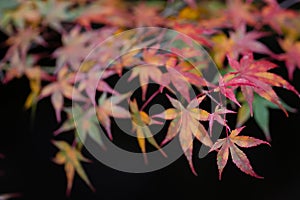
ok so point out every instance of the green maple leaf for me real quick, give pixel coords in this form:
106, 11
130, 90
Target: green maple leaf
260, 113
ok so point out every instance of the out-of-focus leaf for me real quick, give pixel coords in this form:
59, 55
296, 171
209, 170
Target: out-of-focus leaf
86, 124
277, 17
15, 13
107, 107
149, 69
239, 42
70, 157
54, 12
62, 88
291, 55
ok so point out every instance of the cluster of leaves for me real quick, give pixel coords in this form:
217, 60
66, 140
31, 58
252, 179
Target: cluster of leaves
229, 31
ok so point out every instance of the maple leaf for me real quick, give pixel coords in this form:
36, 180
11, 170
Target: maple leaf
239, 42
181, 77
239, 158
185, 124
255, 73
196, 32
107, 107
129, 59
217, 116
18, 14
61, 88
70, 157
54, 12
86, 124
112, 13
76, 47
260, 112
239, 12
149, 69
276, 16
94, 77
291, 55
22, 41
140, 125
142, 13
17, 68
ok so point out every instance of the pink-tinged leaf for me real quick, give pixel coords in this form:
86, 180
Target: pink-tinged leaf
194, 103
200, 114
186, 142
227, 92
181, 76
236, 131
168, 114
199, 34
277, 17
145, 72
200, 133
291, 55
216, 116
48, 90
275, 80
233, 63
175, 103
222, 157
186, 124
105, 121
142, 13
246, 141
218, 144
260, 81
240, 42
173, 129
238, 157
57, 102
104, 87
107, 107
72, 93
241, 161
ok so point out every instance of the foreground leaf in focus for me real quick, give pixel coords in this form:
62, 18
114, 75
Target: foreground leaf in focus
185, 123
259, 80
140, 123
239, 158
260, 112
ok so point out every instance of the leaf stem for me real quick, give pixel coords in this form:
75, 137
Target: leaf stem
151, 98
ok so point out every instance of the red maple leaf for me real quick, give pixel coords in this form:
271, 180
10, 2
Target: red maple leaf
291, 55
239, 158
257, 79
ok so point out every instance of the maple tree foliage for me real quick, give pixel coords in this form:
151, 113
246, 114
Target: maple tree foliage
231, 32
